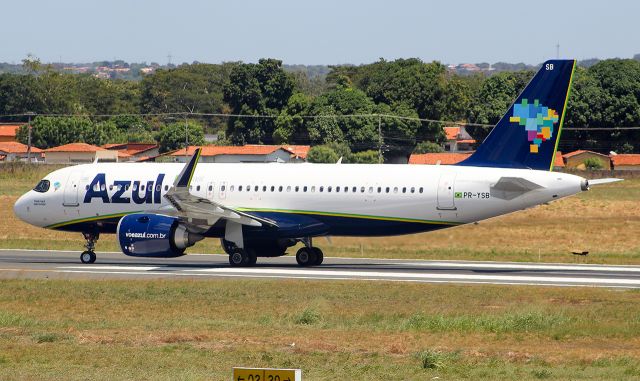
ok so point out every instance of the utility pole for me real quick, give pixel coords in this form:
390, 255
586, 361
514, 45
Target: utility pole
29, 114
380, 160
186, 137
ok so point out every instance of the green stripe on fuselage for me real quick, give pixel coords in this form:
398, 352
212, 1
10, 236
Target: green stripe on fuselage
349, 215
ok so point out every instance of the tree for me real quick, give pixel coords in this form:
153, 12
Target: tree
50, 132
256, 89
290, 124
494, 98
427, 147
593, 163
188, 88
364, 157
172, 136
322, 154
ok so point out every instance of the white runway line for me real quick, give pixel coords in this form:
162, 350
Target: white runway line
526, 266
111, 267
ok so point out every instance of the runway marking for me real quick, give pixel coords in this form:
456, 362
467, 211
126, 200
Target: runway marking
395, 275
112, 267
527, 266
354, 275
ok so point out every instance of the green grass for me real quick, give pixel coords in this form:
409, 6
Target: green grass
160, 329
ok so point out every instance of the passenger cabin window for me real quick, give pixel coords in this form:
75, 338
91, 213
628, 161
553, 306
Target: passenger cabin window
297, 188
264, 188
222, 188
321, 189
240, 188
395, 189
210, 188
362, 190
289, 188
354, 190
43, 186
328, 189
337, 189
413, 190
166, 187
404, 189
280, 188
232, 188
379, 189
304, 188
256, 188
421, 189
313, 189
386, 190
142, 188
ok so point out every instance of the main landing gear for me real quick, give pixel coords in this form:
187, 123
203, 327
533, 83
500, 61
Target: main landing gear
89, 256
247, 256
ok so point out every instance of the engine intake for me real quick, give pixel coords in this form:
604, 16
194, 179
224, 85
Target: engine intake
154, 235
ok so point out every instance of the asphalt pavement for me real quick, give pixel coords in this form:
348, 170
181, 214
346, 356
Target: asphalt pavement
67, 265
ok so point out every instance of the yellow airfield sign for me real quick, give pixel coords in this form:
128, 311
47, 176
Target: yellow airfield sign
266, 374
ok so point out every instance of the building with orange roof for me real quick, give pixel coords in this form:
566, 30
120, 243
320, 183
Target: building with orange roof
558, 161
8, 132
444, 158
253, 153
12, 151
134, 151
458, 140
76, 153
626, 161
576, 159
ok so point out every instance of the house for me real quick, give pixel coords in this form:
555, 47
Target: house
444, 158
134, 151
79, 153
251, 153
558, 161
8, 132
458, 140
577, 159
12, 151
626, 161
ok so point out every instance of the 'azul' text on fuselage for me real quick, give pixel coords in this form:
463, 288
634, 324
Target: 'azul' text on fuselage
149, 193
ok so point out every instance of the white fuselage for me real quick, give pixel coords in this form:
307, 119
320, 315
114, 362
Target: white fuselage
417, 194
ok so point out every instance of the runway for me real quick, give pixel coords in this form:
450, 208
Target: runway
66, 265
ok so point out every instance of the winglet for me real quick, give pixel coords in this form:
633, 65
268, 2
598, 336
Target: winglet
184, 178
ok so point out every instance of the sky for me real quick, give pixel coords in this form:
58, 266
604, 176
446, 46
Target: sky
317, 32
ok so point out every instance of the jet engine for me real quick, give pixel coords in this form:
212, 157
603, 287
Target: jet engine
154, 235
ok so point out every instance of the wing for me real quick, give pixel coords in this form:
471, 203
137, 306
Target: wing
201, 213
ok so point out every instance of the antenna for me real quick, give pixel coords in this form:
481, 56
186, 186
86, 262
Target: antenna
558, 50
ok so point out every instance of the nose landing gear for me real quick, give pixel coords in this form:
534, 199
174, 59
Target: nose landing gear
89, 256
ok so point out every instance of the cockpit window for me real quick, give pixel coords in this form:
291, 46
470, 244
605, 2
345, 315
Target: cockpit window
42, 186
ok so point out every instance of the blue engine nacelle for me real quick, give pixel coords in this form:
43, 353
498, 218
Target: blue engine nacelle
154, 235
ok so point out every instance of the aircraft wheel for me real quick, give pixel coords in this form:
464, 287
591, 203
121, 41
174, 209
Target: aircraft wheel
238, 258
306, 257
252, 258
88, 257
319, 256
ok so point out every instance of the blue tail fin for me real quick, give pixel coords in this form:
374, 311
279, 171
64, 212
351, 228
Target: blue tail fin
527, 135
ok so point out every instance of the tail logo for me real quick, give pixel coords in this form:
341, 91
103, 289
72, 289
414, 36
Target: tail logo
538, 121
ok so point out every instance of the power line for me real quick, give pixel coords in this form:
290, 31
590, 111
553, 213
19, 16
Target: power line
322, 116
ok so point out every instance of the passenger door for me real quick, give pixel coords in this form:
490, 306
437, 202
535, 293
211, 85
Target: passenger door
71, 189
446, 188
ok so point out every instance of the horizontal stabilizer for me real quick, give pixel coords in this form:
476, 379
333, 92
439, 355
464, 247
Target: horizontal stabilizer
508, 188
604, 181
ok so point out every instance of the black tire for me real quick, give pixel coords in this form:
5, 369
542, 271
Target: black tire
252, 258
87, 257
319, 256
306, 256
238, 258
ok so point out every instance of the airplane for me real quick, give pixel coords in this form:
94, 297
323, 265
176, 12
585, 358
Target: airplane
260, 210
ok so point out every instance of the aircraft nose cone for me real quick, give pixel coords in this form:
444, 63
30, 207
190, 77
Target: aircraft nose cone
21, 208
